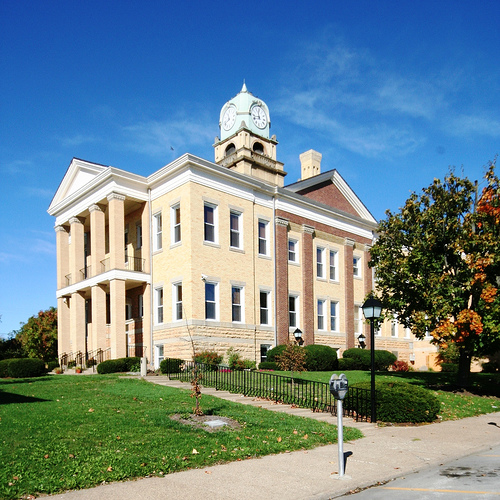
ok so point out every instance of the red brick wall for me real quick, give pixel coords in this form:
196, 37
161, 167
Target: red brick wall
307, 299
282, 281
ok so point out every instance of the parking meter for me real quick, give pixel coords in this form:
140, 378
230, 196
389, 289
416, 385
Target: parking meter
339, 386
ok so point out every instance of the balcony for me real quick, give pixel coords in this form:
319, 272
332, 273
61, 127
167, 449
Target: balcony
131, 264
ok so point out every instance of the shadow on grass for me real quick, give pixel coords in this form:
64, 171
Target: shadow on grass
7, 398
480, 384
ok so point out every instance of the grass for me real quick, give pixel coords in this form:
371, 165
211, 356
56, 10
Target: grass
71, 432
483, 396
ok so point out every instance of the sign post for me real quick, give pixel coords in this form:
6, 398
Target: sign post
339, 387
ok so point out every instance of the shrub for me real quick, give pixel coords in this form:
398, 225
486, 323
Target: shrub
320, 358
22, 367
449, 367
401, 402
346, 364
118, 365
362, 359
273, 353
210, 358
236, 362
52, 365
400, 366
490, 367
171, 365
268, 365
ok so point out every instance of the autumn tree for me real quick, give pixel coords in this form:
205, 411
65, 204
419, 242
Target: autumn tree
293, 358
436, 265
38, 335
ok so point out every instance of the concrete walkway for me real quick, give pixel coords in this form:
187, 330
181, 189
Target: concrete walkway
383, 454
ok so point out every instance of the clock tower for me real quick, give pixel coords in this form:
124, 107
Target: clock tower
244, 144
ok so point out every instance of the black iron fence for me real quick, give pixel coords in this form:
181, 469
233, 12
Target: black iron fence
266, 385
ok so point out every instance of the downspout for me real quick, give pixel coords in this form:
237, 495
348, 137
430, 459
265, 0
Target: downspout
151, 275
275, 292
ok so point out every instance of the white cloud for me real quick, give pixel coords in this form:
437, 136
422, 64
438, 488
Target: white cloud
77, 140
464, 125
16, 167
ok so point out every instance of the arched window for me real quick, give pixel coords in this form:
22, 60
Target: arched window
258, 148
230, 149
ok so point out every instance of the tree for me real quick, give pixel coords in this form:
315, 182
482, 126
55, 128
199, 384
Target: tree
39, 335
293, 358
437, 266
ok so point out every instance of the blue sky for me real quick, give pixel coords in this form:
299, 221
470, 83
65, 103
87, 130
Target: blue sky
392, 93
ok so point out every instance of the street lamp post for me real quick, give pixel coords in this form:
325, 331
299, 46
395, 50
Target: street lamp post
371, 310
298, 336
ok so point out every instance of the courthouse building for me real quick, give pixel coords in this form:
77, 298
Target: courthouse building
221, 253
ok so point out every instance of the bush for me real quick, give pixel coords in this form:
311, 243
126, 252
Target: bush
490, 367
268, 365
22, 367
320, 358
236, 362
210, 358
52, 365
118, 365
449, 367
275, 352
400, 366
171, 365
401, 402
346, 364
362, 359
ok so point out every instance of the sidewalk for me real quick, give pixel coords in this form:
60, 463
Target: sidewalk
383, 454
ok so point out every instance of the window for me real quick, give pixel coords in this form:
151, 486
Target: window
263, 237
320, 262
394, 327
159, 305
159, 354
176, 223
334, 321
210, 214
177, 301
126, 244
235, 240
128, 309
321, 315
237, 304
293, 250
157, 232
293, 311
358, 322
211, 290
356, 267
263, 351
264, 308
333, 265
140, 305
138, 234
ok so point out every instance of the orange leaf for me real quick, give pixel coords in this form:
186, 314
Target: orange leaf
279, 439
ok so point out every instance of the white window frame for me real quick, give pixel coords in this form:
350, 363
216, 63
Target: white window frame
356, 266
358, 320
140, 305
266, 309
321, 314
293, 255
333, 268
241, 304
213, 225
295, 313
177, 312
157, 232
394, 327
159, 302
320, 262
265, 239
238, 232
334, 318
175, 227
215, 301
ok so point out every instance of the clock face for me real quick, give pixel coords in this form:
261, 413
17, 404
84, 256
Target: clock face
259, 117
229, 118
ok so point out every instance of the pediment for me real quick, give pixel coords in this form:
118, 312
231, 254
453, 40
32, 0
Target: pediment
331, 189
78, 174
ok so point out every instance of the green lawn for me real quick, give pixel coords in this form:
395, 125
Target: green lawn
70, 432
484, 395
